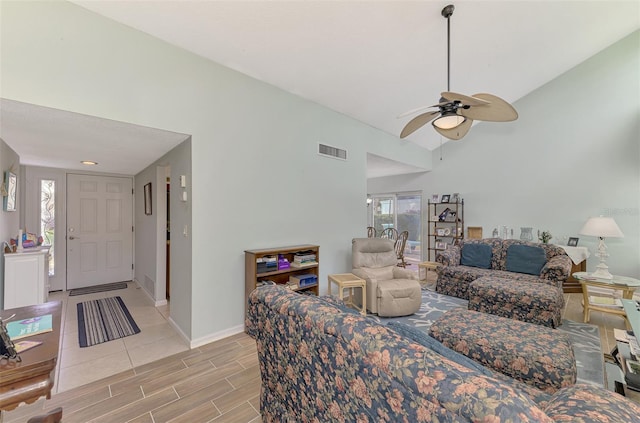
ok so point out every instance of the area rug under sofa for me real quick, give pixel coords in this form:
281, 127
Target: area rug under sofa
585, 338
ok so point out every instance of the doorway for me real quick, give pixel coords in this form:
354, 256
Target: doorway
99, 230
402, 211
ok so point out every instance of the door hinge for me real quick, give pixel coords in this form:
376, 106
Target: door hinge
131, 191
131, 266
132, 229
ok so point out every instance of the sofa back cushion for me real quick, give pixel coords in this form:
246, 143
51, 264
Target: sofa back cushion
496, 249
379, 273
525, 259
476, 255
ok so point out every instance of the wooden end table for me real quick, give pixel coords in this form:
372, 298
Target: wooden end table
350, 281
33, 377
427, 265
624, 284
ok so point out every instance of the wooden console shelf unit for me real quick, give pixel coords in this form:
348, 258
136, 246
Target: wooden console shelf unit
252, 277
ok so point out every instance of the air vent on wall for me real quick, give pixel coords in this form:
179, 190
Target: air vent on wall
333, 152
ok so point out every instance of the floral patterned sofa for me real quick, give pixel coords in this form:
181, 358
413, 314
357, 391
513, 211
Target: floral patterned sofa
454, 276
322, 363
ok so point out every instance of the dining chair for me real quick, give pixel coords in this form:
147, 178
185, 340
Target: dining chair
401, 242
371, 232
390, 233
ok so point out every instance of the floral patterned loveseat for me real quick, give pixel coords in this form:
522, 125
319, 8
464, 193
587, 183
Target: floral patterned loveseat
322, 363
454, 278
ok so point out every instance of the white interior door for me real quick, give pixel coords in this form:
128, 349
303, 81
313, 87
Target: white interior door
99, 230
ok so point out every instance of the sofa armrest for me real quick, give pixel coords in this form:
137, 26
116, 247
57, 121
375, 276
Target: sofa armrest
400, 273
449, 257
557, 269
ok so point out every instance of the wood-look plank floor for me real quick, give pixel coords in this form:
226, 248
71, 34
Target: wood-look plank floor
218, 382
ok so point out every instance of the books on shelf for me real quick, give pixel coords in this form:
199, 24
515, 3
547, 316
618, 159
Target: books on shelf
28, 327
305, 264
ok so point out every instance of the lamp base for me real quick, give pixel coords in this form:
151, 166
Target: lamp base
602, 272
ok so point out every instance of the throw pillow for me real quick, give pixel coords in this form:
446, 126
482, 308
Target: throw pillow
419, 337
476, 255
526, 259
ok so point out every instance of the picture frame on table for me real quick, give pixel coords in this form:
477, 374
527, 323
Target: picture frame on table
445, 198
573, 242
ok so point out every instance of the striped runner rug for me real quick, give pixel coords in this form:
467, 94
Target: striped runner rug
104, 320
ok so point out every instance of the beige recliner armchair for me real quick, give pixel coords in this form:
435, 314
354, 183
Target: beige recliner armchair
391, 290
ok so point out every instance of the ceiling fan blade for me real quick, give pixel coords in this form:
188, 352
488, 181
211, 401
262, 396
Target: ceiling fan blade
417, 123
414, 111
465, 99
497, 110
456, 133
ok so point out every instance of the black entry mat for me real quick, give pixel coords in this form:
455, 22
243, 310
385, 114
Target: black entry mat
98, 288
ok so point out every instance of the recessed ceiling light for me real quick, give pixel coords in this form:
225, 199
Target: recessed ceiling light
89, 163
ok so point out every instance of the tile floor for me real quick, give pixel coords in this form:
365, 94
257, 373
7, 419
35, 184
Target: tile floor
79, 366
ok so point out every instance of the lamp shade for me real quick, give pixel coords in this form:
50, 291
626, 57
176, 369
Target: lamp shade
449, 121
603, 227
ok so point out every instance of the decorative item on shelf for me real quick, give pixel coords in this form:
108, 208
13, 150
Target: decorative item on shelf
441, 245
573, 242
602, 227
526, 234
474, 232
544, 236
435, 198
445, 198
440, 231
455, 197
505, 232
445, 213
447, 231
494, 234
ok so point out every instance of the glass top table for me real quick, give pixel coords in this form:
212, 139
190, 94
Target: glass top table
624, 284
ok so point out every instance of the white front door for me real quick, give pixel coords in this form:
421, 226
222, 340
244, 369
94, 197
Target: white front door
99, 230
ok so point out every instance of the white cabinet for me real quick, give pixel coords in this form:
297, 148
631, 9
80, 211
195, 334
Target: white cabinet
26, 278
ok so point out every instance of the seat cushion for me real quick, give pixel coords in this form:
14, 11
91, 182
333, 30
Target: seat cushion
536, 355
528, 301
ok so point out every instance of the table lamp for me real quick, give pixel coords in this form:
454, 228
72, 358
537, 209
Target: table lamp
602, 227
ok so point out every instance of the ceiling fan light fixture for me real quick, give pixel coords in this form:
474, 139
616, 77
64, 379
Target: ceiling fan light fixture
449, 121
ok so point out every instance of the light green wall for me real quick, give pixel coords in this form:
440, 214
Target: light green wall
257, 180
574, 152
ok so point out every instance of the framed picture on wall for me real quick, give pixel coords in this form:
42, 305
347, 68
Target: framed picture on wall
147, 199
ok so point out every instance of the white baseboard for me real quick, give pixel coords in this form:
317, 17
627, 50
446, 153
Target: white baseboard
156, 303
216, 336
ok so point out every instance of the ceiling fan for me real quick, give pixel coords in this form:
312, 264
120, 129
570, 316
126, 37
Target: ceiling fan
456, 112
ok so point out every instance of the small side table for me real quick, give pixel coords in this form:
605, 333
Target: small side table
619, 283
350, 281
427, 265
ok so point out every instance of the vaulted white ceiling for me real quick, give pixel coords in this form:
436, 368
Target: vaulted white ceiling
373, 60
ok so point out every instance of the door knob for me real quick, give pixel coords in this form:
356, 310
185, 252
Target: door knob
73, 237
